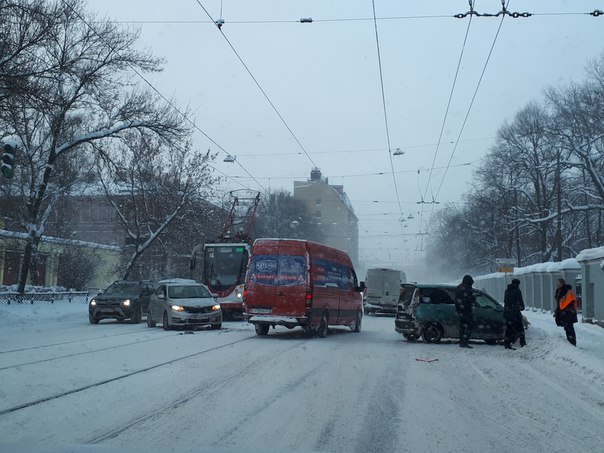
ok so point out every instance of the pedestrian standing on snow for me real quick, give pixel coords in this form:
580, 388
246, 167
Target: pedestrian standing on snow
513, 304
566, 310
464, 303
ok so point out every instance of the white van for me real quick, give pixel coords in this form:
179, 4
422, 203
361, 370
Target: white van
383, 290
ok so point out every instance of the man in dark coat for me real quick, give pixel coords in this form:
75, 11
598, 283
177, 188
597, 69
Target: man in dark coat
464, 303
513, 306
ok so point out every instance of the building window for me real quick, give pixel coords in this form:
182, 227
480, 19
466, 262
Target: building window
318, 213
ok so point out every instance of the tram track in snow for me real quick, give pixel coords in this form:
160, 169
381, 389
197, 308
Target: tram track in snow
75, 354
236, 374
30, 348
116, 378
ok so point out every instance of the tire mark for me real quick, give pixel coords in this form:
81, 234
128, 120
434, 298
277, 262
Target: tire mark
117, 378
237, 374
167, 408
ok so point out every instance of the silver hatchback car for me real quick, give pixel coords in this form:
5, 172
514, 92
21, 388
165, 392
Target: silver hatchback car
183, 303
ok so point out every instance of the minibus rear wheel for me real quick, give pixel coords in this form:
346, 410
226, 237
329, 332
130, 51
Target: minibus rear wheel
262, 329
359, 320
322, 329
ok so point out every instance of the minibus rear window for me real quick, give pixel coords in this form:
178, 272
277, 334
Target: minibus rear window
278, 269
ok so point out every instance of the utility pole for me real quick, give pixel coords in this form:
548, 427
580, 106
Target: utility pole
559, 202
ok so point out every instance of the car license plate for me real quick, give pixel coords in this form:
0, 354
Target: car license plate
260, 310
198, 317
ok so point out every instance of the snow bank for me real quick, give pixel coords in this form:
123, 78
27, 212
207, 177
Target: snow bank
28, 314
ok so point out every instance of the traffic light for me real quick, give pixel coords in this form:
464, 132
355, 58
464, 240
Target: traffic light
8, 161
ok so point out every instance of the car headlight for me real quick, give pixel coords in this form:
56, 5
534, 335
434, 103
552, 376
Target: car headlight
93, 303
126, 303
216, 307
239, 295
177, 308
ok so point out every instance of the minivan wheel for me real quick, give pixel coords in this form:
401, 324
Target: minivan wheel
491, 341
409, 337
165, 321
217, 326
92, 319
323, 327
357, 324
432, 333
137, 316
262, 329
150, 322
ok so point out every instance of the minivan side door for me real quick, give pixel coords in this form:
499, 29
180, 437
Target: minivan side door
488, 316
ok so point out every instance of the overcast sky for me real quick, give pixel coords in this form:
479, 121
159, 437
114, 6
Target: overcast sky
324, 79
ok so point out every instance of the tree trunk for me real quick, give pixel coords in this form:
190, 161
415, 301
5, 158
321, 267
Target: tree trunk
34, 213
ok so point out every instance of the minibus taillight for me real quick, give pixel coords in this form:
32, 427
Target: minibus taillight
308, 299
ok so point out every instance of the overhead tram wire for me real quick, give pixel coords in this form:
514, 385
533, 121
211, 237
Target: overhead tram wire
595, 13
377, 43
442, 128
171, 104
381, 173
219, 27
463, 125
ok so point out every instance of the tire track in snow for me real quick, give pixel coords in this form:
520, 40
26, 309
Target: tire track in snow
229, 380
167, 407
117, 378
383, 421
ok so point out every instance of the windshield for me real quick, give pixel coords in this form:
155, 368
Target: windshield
278, 269
224, 266
123, 288
187, 291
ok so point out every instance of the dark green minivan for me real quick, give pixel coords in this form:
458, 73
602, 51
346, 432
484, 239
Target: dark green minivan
428, 311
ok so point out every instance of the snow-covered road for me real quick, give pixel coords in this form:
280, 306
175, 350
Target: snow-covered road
64, 381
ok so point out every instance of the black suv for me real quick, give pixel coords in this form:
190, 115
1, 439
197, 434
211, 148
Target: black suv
121, 300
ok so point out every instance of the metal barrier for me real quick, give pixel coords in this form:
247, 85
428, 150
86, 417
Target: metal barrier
78, 297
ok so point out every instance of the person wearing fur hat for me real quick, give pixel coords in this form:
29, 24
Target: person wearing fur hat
464, 304
513, 304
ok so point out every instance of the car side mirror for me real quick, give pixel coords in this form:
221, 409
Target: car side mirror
362, 287
161, 296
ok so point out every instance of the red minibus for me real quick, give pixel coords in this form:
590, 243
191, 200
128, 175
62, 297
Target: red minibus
292, 282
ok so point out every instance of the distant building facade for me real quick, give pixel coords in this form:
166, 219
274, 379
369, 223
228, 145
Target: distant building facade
90, 223
332, 212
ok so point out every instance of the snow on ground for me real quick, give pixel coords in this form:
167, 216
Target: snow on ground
127, 387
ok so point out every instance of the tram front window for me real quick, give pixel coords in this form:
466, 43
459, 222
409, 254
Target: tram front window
224, 266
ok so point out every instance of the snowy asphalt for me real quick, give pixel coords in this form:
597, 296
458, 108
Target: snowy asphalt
65, 382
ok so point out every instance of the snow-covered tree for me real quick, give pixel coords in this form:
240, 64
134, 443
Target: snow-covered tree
152, 186
66, 83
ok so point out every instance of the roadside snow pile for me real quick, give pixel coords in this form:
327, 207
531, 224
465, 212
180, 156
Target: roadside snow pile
548, 343
29, 315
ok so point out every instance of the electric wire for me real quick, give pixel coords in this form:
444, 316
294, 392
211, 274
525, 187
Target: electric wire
258, 85
466, 117
429, 182
381, 173
326, 20
169, 102
379, 56
442, 128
